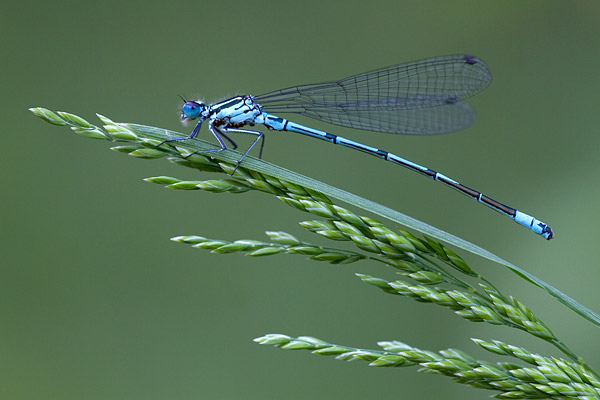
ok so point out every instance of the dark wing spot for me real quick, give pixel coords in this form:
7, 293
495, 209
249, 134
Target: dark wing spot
470, 60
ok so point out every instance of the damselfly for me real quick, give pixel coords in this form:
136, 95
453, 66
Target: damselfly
418, 98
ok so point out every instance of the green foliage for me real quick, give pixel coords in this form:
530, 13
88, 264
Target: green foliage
430, 272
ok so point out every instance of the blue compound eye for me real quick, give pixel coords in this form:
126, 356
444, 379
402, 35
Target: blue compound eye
191, 110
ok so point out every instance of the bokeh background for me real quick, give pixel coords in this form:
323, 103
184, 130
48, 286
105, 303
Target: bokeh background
97, 303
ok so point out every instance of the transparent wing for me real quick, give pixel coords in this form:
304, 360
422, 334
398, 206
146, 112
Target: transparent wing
418, 98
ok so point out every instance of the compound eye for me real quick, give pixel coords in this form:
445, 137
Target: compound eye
191, 110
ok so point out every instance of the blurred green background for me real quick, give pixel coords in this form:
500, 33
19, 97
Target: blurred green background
97, 303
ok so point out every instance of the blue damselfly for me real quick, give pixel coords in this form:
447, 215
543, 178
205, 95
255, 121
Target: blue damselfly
423, 97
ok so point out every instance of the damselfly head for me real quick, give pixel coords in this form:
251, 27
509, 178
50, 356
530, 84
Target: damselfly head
192, 110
